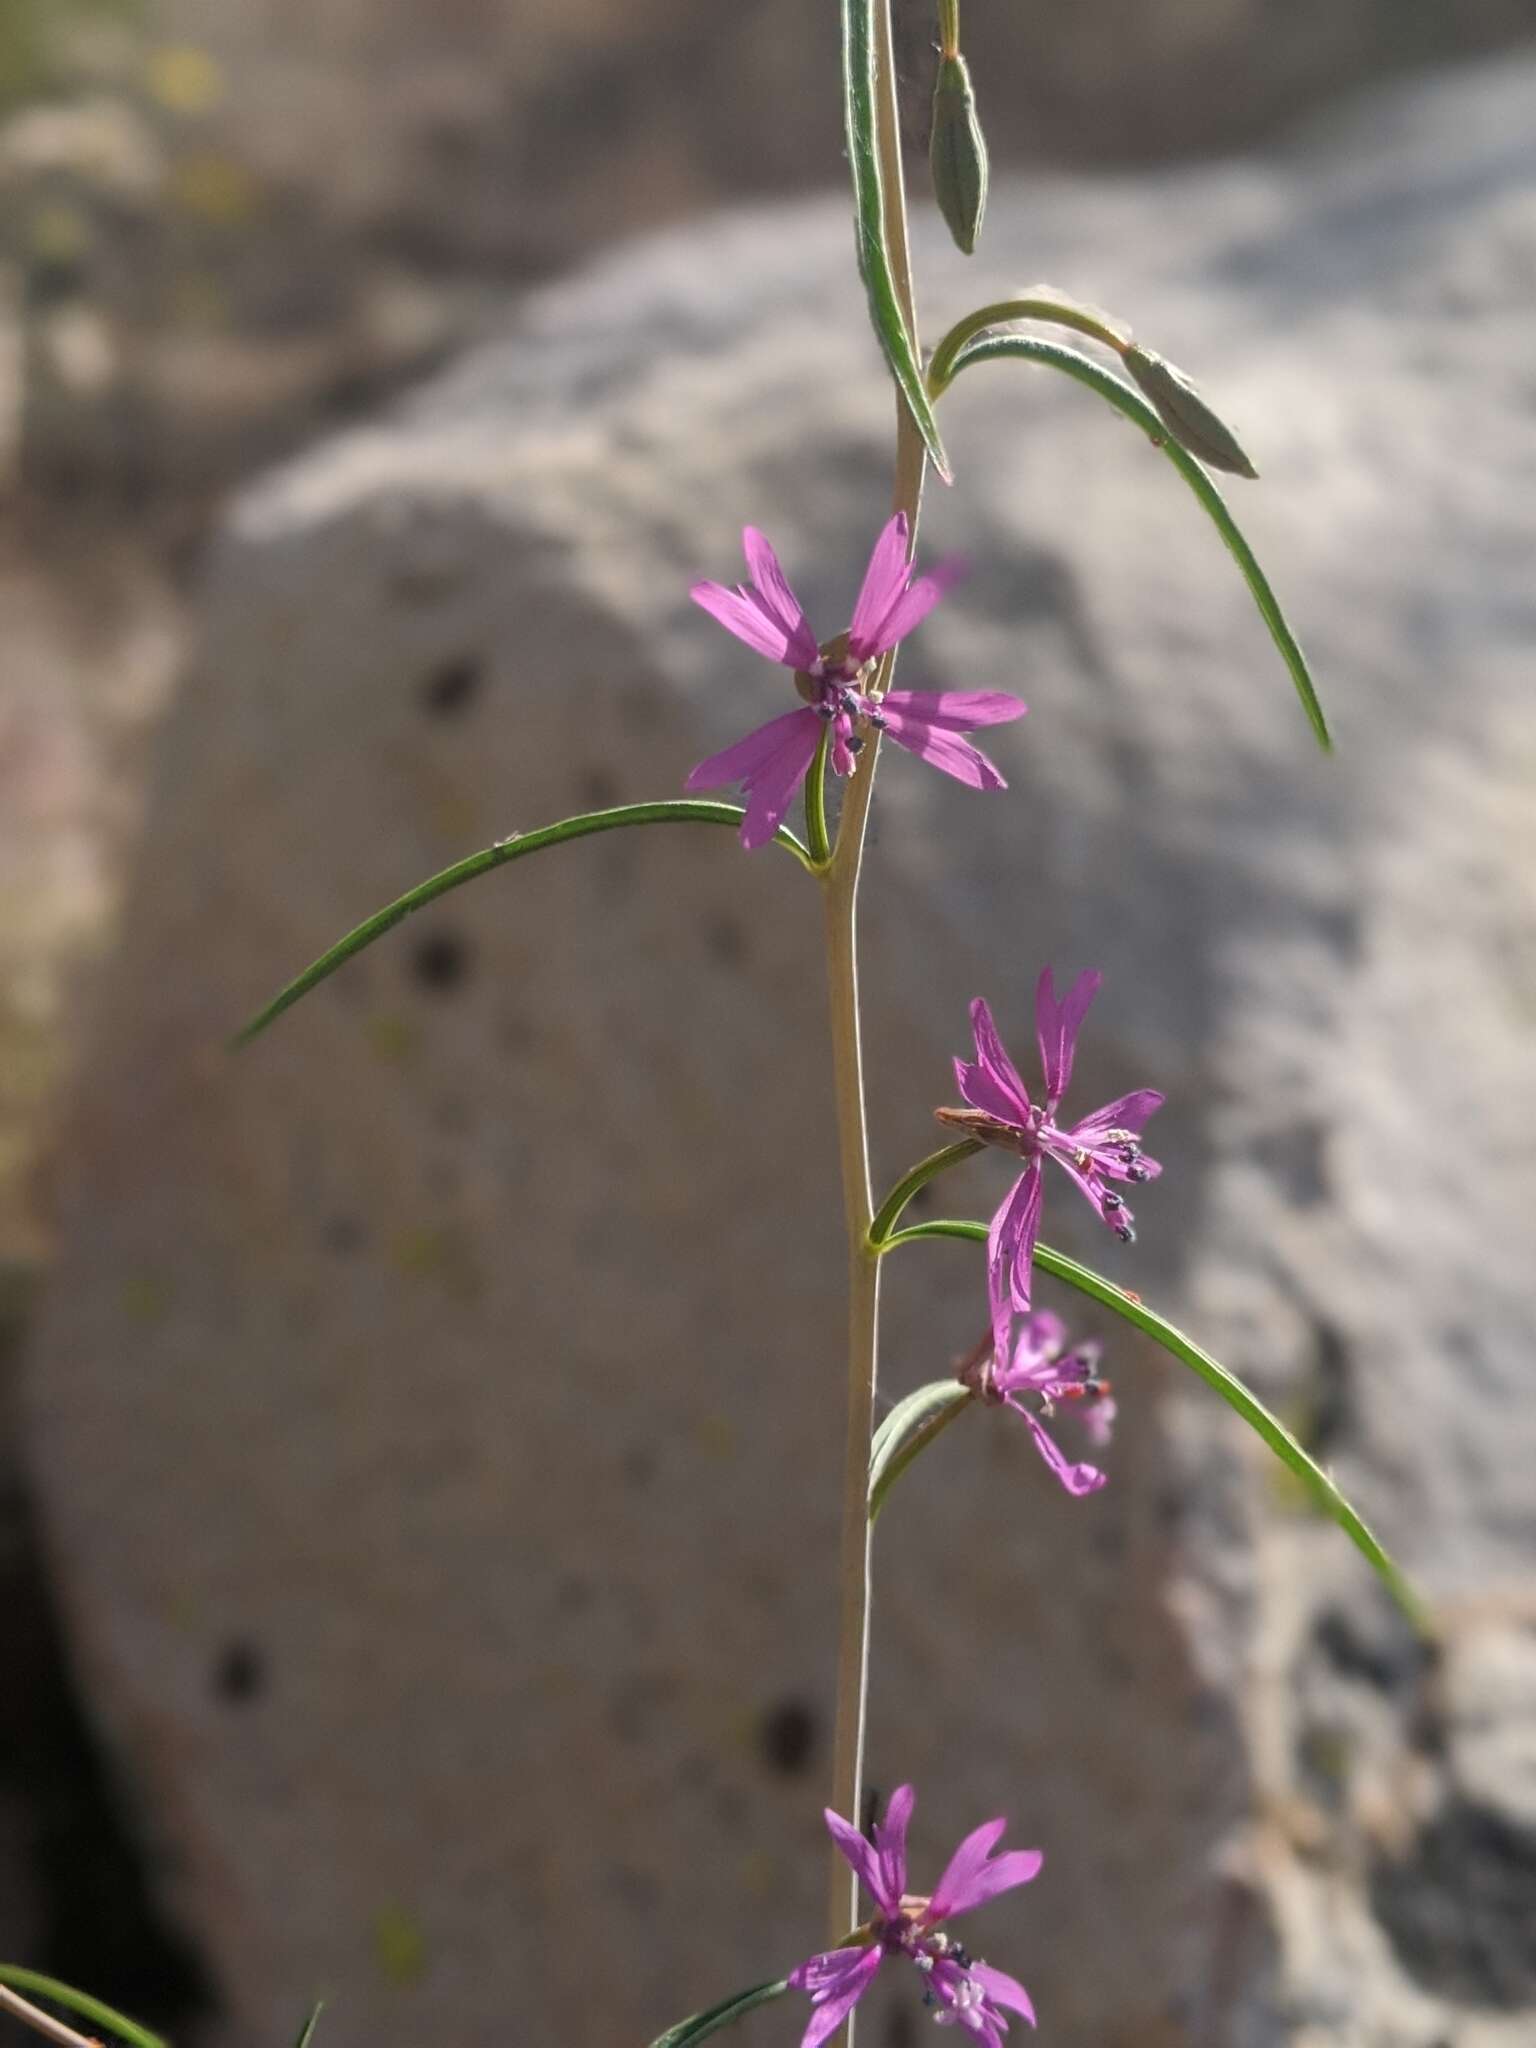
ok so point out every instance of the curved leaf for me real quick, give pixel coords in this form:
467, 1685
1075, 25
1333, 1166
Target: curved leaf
885, 310
80, 2002
1025, 348
725, 2014
671, 811
1225, 1383
924, 1171
908, 1430
307, 2031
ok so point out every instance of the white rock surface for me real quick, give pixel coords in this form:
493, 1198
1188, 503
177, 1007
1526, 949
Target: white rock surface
437, 1407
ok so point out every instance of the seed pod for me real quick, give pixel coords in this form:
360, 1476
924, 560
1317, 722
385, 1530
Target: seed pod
1185, 413
957, 153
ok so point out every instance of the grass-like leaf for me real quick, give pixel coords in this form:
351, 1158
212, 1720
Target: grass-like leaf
307, 2031
34, 1984
725, 2014
672, 811
991, 348
885, 310
1227, 1384
907, 1431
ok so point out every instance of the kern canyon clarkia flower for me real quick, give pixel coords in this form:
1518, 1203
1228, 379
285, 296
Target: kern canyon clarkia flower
773, 761
961, 1991
1101, 1149
1034, 1372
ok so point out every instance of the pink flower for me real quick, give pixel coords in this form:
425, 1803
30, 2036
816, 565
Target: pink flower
963, 1992
773, 761
1041, 1366
1102, 1148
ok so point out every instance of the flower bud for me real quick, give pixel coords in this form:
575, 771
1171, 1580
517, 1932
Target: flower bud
1185, 413
957, 153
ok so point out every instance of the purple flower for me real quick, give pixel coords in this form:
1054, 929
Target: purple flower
1041, 1366
1102, 1148
771, 762
963, 1992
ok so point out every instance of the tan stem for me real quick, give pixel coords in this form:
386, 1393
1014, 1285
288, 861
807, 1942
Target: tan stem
43, 2022
840, 902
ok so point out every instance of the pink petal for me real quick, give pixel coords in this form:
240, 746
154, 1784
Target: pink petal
891, 1848
969, 1879
771, 763
777, 599
1011, 1240
836, 1981
1125, 1113
1057, 1025
942, 749
744, 613
1077, 1479
983, 1091
1004, 1990
908, 610
884, 581
992, 1055
855, 1851
956, 710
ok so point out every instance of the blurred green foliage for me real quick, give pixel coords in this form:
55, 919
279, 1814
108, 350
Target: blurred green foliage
36, 38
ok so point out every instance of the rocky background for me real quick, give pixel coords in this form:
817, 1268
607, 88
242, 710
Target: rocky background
197, 272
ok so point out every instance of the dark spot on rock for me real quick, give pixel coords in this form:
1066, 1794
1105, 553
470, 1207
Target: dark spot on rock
440, 962
787, 1737
1170, 1507
599, 789
726, 938
1457, 1909
639, 1466
1296, 1158
1375, 1646
239, 1673
343, 1236
453, 687
1328, 1407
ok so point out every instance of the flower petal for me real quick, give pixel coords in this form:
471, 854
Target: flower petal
884, 581
1011, 1241
744, 613
778, 600
855, 1851
969, 1879
1057, 1025
990, 1054
770, 763
1125, 1113
955, 710
1004, 1990
908, 610
836, 1981
941, 749
1077, 1479
891, 1849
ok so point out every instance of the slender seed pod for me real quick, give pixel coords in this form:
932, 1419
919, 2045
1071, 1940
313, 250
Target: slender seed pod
1185, 413
957, 153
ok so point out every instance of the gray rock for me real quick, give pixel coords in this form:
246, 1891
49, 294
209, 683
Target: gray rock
436, 1408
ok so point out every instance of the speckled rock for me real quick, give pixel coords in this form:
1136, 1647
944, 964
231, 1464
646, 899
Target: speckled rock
436, 1408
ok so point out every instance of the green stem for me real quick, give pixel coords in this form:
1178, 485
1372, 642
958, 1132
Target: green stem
840, 884
949, 28
924, 1171
1059, 312
669, 811
816, 802
14, 1979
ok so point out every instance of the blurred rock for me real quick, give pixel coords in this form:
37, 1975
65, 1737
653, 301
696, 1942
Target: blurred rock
436, 1408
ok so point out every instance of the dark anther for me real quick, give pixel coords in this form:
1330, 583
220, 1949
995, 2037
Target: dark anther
1138, 1171
1125, 1233
825, 710
1112, 1200
878, 720
960, 1954
855, 745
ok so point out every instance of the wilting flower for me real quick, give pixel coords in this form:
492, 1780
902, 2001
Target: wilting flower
771, 762
1103, 1148
1038, 1368
963, 1992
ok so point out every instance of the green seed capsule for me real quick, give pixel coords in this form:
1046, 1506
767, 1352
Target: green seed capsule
957, 153
1185, 413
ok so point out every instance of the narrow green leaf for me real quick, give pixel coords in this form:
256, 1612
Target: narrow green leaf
924, 1171
1025, 348
1225, 1383
885, 310
36, 1985
725, 2014
672, 811
1041, 302
907, 1432
307, 2031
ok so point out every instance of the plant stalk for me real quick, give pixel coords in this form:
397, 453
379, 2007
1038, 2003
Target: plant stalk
840, 904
